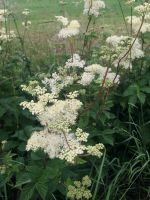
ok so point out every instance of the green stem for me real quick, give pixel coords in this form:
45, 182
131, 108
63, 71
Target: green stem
5, 192
122, 12
99, 176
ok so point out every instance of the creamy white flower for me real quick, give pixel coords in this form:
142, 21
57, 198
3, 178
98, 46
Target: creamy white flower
62, 111
86, 78
63, 20
71, 30
136, 24
81, 135
57, 116
3, 11
6, 36
26, 24
71, 149
26, 12
96, 69
95, 150
80, 189
121, 45
143, 9
73, 95
51, 143
58, 81
75, 61
130, 1
92, 7
74, 24
111, 77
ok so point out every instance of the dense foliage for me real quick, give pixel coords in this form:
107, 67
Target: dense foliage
115, 111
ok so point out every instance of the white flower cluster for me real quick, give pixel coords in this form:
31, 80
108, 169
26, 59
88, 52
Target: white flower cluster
120, 45
26, 23
86, 78
143, 18
130, 1
26, 12
5, 35
3, 13
80, 189
143, 9
75, 61
63, 20
56, 116
59, 80
96, 70
92, 7
73, 95
95, 150
81, 136
70, 29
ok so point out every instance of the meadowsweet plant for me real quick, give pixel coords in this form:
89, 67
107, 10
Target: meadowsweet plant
26, 22
140, 21
57, 116
56, 99
70, 29
92, 7
119, 45
80, 189
5, 34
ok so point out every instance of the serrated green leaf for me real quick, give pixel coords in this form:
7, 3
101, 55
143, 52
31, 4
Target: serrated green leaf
132, 100
22, 179
131, 90
146, 90
141, 97
42, 189
27, 192
80, 161
108, 139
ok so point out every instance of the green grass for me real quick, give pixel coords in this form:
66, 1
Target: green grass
45, 10
41, 40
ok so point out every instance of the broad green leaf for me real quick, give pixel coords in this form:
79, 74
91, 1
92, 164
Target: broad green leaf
80, 161
22, 179
42, 189
146, 90
2, 111
141, 97
27, 192
131, 90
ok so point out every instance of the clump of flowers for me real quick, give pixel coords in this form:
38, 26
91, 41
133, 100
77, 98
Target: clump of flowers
98, 73
130, 2
26, 12
142, 20
92, 7
5, 35
63, 20
80, 189
57, 117
26, 23
2, 169
70, 29
75, 61
3, 14
120, 46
